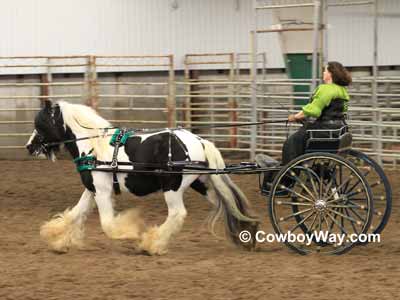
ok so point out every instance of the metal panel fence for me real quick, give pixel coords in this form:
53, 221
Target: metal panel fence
98, 81
132, 99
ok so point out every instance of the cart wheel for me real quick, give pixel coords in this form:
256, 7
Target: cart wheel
380, 188
320, 194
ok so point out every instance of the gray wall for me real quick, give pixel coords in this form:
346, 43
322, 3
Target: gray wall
48, 27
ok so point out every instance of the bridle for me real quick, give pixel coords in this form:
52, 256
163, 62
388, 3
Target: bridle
42, 144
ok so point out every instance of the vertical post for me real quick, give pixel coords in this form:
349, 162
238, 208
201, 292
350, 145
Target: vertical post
44, 89
376, 114
232, 102
253, 76
87, 77
92, 77
94, 92
49, 77
253, 131
45, 79
187, 105
264, 66
264, 89
237, 65
325, 49
171, 100
212, 105
316, 26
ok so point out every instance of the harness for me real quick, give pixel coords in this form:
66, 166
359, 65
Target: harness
118, 139
88, 162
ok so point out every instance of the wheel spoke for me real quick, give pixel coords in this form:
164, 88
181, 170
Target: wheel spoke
296, 193
340, 175
337, 223
375, 184
326, 222
362, 207
319, 222
344, 216
377, 180
309, 230
345, 196
301, 222
367, 172
352, 188
282, 219
332, 223
312, 180
341, 219
343, 206
293, 176
321, 182
340, 187
358, 199
352, 224
328, 188
293, 203
356, 213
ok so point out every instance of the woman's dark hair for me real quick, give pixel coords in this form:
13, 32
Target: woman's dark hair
340, 75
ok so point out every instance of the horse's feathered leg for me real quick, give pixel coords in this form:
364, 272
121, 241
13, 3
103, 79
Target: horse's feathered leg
67, 229
155, 240
125, 225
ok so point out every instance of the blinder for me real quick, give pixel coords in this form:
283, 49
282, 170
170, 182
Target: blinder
47, 132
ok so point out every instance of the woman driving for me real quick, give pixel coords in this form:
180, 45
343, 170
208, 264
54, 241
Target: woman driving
326, 109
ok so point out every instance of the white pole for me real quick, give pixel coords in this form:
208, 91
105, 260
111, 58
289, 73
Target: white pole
253, 136
325, 53
376, 114
317, 4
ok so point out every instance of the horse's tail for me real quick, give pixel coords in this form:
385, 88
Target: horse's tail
229, 200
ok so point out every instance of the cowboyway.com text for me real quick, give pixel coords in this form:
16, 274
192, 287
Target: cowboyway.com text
309, 238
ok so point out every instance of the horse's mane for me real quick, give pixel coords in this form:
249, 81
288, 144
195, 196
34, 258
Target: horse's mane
84, 120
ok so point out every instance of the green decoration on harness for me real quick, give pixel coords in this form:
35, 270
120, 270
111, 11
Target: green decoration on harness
115, 136
127, 135
86, 162
121, 136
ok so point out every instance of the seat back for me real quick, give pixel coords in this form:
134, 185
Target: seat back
328, 140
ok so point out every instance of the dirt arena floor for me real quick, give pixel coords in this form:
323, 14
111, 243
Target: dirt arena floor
198, 265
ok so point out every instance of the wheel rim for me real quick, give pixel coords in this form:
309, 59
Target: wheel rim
324, 193
380, 188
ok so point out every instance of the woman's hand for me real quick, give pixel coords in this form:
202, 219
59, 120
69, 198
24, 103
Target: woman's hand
297, 117
292, 118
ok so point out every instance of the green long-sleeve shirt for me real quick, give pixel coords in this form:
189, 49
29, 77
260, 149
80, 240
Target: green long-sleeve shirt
323, 96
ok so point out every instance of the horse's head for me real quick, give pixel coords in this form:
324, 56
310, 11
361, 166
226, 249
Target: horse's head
50, 131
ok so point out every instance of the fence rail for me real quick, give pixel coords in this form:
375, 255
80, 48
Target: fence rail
198, 98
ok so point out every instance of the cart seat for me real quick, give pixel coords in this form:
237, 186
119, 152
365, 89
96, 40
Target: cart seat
328, 140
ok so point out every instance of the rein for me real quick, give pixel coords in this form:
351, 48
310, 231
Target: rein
75, 140
88, 162
150, 130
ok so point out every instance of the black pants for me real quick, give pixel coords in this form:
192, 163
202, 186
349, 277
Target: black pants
295, 145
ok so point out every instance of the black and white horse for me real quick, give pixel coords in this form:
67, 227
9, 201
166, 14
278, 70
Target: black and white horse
64, 121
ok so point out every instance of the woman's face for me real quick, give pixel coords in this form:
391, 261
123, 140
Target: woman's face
327, 75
